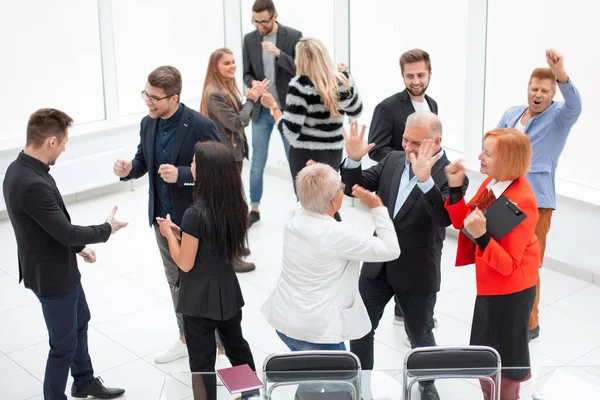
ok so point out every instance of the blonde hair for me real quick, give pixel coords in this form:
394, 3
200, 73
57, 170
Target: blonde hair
312, 60
512, 153
316, 185
215, 79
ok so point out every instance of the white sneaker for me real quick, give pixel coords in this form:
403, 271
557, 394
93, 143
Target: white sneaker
222, 362
175, 352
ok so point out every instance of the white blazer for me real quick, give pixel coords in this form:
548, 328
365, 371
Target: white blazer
316, 298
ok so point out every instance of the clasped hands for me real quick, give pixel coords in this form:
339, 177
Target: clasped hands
167, 227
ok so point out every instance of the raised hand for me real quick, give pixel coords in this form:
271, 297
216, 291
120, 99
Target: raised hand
368, 198
122, 168
555, 62
422, 163
257, 90
342, 67
355, 146
270, 48
455, 173
115, 224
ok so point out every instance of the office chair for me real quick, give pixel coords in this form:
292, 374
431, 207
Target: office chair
446, 362
301, 367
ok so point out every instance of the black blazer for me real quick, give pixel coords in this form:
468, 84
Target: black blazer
389, 121
193, 127
285, 68
420, 223
47, 242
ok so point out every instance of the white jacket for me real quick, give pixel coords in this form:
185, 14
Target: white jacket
316, 298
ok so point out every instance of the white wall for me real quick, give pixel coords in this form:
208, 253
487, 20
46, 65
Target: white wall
49, 59
380, 31
517, 41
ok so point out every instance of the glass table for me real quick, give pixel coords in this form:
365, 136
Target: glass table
546, 383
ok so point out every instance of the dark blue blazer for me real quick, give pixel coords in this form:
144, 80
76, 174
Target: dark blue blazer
193, 127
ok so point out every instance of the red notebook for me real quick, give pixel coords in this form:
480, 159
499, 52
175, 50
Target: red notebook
239, 379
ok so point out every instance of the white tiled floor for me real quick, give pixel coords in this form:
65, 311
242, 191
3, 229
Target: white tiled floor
132, 317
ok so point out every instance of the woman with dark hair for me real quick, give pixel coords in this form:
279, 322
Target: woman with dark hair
213, 235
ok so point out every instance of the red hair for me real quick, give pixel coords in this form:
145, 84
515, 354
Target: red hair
512, 153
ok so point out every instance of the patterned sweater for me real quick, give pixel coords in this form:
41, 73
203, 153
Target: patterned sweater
307, 124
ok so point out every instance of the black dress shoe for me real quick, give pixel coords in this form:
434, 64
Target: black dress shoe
535, 332
97, 389
253, 217
429, 392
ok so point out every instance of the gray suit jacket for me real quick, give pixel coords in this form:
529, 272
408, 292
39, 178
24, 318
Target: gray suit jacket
285, 68
229, 121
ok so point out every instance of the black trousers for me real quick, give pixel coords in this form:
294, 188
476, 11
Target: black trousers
200, 341
416, 307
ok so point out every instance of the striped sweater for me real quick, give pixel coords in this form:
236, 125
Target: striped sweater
307, 124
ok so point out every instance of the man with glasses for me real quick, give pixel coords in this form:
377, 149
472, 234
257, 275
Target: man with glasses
165, 152
269, 52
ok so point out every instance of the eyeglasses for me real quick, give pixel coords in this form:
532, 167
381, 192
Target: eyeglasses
153, 99
262, 23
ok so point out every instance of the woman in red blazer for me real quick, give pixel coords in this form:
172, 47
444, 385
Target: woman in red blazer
507, 269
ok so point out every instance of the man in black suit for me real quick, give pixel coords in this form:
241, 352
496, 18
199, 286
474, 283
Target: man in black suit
47, 244
167, 138
389, 117
415, 201
269, 53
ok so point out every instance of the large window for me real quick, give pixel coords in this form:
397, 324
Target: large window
380, 31
152, 33
50, 58
518, 34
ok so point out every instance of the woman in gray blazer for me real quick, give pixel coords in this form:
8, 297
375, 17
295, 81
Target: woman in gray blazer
222, 102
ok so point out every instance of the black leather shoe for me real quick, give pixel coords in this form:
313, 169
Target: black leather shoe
253, 217
429, 392
535, 332
97, 389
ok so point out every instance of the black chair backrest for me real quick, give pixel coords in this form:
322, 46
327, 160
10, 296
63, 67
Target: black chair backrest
450, 362
311, 366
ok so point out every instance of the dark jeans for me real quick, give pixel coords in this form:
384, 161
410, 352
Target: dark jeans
67, 319
200, 341
416, 307
301, 345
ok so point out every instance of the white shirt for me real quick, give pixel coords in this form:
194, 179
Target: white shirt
519, 126
420, 105
316, 298
498, 187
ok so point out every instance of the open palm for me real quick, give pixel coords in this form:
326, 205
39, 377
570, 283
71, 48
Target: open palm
355, 145
423, 162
